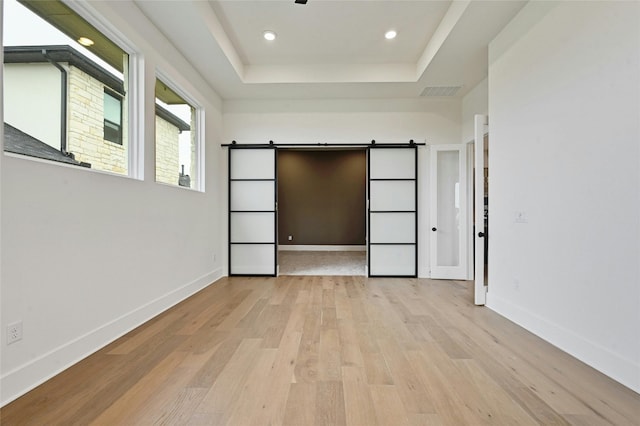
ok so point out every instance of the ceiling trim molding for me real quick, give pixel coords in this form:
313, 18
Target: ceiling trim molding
216, 30
447, 24
330, 73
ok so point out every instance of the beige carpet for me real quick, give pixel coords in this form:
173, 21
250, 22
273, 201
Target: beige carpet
322, 262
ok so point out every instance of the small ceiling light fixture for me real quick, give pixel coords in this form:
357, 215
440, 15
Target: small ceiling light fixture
390, 35
86, 41
269, 35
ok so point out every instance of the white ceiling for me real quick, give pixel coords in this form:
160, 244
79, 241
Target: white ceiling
333, 48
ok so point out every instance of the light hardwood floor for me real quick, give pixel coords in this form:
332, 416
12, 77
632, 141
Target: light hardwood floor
328, 351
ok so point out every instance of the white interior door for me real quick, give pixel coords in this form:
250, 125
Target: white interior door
480, 286
393, 212
252, 211
448, 199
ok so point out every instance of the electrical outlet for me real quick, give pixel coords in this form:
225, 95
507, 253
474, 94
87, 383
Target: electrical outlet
14, 332
290, 238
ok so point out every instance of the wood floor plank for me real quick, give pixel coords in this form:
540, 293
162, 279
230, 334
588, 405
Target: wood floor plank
358, 313
277, 323
228, 384
306, 369
341, 298
350, 354
284, 293
243, 309
458, 387
145, 360
506, 411
376, 369
246, 410
357, 397
388, 406
128, 405
329, 359
174, 396
408, 385
328, 351
366, 340
422, 419
447, 403
145, 333
304, 297
316, 290
210, 370
180, 410
330, 407
301, 405
71, 386
273, 403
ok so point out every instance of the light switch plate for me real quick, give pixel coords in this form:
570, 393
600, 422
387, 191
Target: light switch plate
520, 217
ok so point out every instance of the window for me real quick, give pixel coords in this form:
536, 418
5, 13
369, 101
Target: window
112, 118
66, 88
177, 138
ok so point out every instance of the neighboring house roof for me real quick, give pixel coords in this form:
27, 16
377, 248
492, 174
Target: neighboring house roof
62, 53
166, 115
67, 54
18, 142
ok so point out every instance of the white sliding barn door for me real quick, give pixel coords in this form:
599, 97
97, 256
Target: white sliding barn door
252, 211
448, 212
393, 212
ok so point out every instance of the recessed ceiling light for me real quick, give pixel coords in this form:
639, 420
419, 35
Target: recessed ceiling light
269, 35
391, 34
85, 41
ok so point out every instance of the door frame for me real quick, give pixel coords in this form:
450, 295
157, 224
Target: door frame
480, 287
272, 145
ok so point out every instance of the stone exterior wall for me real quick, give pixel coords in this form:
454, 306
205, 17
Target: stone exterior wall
167, 152
85, 132
86, 125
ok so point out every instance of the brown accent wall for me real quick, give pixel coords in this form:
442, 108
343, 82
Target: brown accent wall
321, 197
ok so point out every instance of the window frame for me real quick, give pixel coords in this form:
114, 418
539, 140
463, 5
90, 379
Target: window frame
198, 128
119, 99
133, 85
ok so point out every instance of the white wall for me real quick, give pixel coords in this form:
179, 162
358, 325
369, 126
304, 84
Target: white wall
352, 121
474, 102
87, 256
33, 100
564, 114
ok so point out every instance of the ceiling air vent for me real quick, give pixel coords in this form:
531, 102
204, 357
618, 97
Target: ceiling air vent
440, 90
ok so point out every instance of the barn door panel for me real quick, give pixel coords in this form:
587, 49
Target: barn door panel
252, 211
393, 212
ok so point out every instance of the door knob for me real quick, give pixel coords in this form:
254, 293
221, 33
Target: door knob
434, 229
481, 234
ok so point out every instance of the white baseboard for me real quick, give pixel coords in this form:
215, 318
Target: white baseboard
622, 370
21, 380
282, 247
